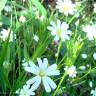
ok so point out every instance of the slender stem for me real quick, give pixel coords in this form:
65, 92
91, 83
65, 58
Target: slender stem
58, 51
63, 77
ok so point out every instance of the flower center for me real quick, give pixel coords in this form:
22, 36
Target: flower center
42, 73
65, 8
24, 94
59, 32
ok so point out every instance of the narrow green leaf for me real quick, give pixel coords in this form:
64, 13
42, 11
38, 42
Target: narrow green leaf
4, 79
39, 6
4, 51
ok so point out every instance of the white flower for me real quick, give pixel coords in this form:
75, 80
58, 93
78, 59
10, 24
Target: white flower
66, 7
71, 71
59, 30
93, 92
91, 31
36, 38
94, 56
22, 19
4, 35
84, 56
42, 72
8, 8
25, 91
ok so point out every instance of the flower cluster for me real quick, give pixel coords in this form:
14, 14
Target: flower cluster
42, 74
52, 29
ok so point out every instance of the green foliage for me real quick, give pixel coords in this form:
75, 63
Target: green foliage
24, 47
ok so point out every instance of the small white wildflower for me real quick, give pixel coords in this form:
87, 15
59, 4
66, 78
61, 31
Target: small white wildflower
8, 8
94, 56
25, 91
82, 67
36, 38
66, 7
59, 30
91, 31
22, 19
93, 92
4, 35
84, 56
42, 73
71, 71
90, 83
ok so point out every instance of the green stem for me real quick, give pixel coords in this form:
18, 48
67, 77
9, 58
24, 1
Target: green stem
58, 51
63, 77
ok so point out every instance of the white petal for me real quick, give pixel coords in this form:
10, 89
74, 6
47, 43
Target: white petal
32, 93
25, 64
52, 70
55, 72
40, 63
25, 87
18, 91
33, 69
52, 67
50, 28
45, 63
53, 33
46, 85
31, 63
53, 24
36, 84
32, 80
56, 38
28, 92
64, 26
51, 83
28, 69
